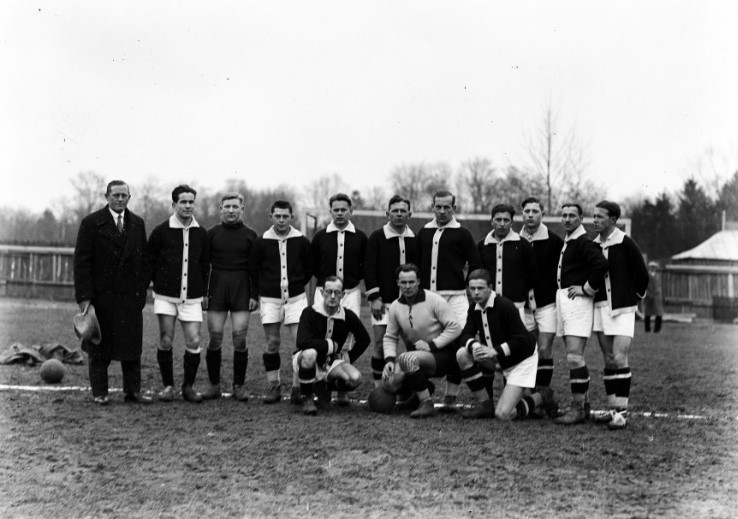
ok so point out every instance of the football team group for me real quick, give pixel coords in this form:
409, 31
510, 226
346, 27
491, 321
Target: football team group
442, 306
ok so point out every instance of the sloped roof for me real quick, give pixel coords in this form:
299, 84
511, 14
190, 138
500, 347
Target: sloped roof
722, 246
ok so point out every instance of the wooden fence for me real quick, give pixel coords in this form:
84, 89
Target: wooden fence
700, 289
37, 272
47, 273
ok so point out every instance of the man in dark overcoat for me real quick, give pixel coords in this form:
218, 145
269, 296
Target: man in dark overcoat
111, 275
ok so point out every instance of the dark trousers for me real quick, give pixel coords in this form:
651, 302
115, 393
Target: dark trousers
98, 369
657, 324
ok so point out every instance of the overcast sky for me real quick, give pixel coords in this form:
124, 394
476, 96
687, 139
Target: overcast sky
285, 92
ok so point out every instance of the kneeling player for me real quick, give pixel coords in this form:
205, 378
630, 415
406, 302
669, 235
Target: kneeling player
429, 327
321, 334
503, 340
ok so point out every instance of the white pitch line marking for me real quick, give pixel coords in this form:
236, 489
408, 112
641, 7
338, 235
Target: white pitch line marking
57, 389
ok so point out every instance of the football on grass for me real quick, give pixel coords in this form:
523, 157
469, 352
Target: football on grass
381, 400
52, 371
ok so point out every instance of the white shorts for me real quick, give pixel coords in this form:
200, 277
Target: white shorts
383, 320
621, 324
460, 305
574, 316
351, 299
542, 318
272, 311
523, 374
186, 312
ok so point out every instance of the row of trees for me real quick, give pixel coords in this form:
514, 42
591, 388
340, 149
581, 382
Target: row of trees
664, 226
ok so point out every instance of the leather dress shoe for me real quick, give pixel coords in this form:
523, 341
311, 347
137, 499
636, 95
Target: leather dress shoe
137, 398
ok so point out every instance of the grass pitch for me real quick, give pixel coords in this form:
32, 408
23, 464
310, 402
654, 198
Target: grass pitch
62, 456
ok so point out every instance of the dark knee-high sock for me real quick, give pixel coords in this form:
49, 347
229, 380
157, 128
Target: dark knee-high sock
579, 381
240, 363
166, 366
191, 363
622, 388
545, 372
212, 360
377, 368
611, 383
306, 376
524, 407
272, 363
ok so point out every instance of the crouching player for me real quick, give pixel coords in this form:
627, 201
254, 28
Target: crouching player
321, 334
429, 327
503, 340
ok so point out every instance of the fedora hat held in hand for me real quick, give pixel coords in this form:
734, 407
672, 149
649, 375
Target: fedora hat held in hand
86, 326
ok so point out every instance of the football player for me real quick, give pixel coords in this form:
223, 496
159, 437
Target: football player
429, 328
321, 335
626, 282
280, 264
339, 250
580, 274
229, 290
540, 312
387, 249
504, 341
443, 250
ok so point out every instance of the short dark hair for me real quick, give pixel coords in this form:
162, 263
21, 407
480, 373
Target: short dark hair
340, 197
532, 200
573, 204
397, 199
280, 204
114, 183
503, 208
442, 194
231, 196
182, 188
482, 274
407, 267
612, 208
333, 279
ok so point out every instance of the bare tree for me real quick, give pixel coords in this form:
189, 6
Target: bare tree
317, 192
89, 193
376, 198
417, 182
477, 181
558, 157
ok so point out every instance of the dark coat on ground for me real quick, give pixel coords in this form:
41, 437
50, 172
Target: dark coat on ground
112, 271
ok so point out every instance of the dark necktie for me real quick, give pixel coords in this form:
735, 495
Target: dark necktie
120, 223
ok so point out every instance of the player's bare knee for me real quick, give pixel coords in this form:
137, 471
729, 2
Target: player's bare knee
575, 360
165, 342
505, 414
464, 359
216, 340
308, 358
239, 340
272, 344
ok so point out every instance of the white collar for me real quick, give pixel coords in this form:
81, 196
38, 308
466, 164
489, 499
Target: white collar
115, 215
616, 237
490, 303
332, 227
511, 236
452, 224
540, 234
174, 223
270, 234
576, 234
389, 232
340, 315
